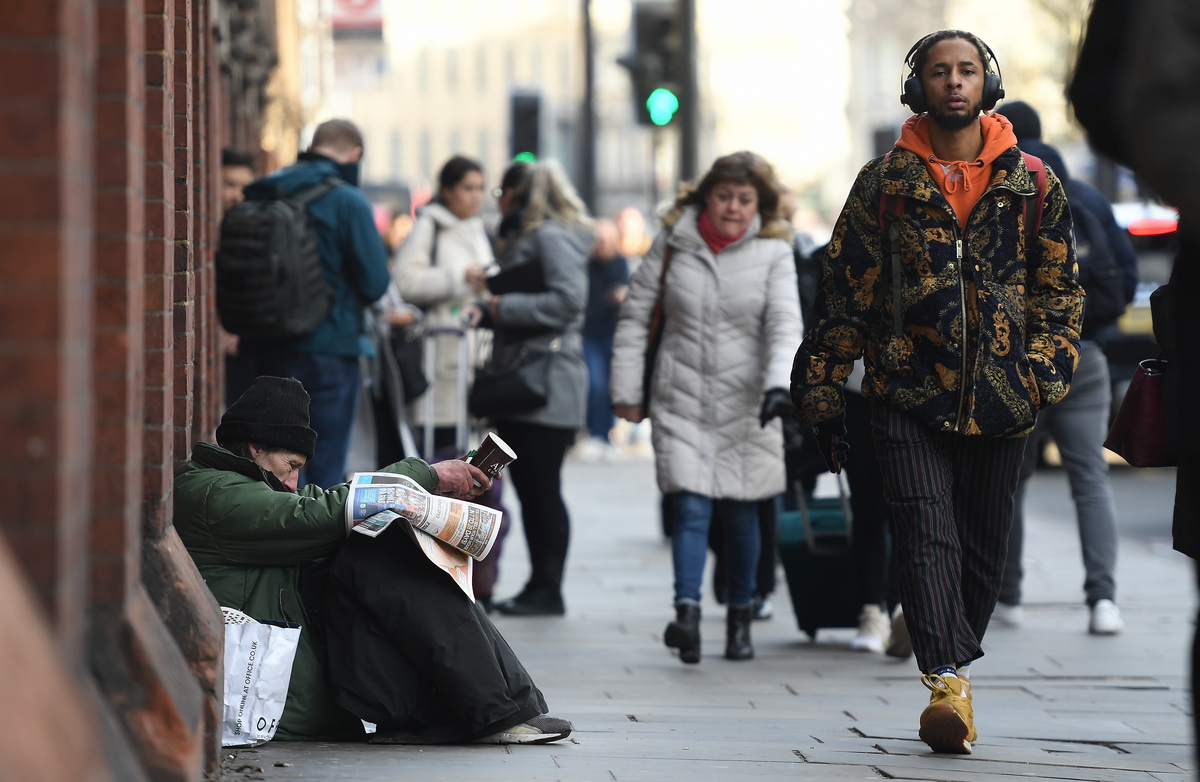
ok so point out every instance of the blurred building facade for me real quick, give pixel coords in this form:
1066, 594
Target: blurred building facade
113, 115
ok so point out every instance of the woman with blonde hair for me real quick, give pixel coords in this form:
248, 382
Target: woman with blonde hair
536, 311
722, 269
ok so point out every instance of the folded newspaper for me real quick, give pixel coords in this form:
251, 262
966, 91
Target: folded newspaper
452, 533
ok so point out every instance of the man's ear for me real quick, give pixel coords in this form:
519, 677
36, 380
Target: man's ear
355, 155
254, 449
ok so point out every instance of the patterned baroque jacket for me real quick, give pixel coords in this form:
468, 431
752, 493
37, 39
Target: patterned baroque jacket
989, 327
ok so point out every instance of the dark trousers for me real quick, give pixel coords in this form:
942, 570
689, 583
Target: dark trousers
872, 517
537, 477
409, 651
952, 506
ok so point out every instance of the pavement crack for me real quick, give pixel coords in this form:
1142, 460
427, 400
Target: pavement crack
800, 755
882, 774
790, 689
631, 717
881, 749
814, 738
858, 733
611, 774
851, 716
556, 763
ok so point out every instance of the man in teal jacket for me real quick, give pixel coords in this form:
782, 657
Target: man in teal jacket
355, 264
430, 668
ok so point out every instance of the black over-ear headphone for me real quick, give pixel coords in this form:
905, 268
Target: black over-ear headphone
914, 91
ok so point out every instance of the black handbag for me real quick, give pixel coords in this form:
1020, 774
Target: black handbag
518, 386
408, 346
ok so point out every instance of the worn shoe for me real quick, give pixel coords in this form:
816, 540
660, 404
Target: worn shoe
948, 722
684, 633
1106, 618
1008, 615
900, 644
531, 602
539, 730
873, 630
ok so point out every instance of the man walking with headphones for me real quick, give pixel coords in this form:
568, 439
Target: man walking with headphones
952, 270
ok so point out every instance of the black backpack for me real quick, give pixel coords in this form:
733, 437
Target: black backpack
270, 278
1101, 278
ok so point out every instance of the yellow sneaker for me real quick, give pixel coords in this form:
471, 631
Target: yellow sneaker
948, 722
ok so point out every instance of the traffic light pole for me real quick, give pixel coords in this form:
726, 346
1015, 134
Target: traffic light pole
587, 134
689, 98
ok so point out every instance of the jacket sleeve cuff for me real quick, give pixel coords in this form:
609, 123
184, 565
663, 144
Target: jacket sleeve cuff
418, 470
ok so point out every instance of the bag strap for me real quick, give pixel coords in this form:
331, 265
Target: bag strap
309, 194
891, 209
656, 315
1037, 167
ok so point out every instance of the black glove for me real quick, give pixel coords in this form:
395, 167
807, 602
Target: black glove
776, 404
830, 440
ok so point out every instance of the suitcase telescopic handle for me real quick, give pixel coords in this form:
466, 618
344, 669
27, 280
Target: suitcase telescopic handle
806, 520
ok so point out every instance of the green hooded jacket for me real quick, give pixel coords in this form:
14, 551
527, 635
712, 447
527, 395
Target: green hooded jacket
249, 536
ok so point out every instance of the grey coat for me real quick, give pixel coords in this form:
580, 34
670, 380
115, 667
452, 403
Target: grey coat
550, 319
731, 327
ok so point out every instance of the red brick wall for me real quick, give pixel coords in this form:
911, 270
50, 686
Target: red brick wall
109, 145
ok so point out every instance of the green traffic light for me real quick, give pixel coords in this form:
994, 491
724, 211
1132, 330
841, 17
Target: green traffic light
662, 105
524, 157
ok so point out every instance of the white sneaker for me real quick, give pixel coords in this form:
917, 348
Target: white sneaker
1009, 615
900, 644
873, 630
1106, 618
591, 450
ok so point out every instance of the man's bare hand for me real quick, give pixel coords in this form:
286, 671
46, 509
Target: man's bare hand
460, 480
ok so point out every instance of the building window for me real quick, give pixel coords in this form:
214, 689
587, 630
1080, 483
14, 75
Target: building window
451, 70
510, 65
455, 144
423, 70
394, 160
483, 150
426, 156
481, 68
535, 64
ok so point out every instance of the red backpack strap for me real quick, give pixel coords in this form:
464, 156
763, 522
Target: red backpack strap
1037, 167
891, 209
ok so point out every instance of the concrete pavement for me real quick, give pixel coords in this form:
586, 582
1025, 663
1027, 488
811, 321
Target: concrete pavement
1051, 701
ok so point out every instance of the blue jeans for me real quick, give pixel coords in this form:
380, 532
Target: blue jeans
1078, 424
597, 354
689, 545
333, 383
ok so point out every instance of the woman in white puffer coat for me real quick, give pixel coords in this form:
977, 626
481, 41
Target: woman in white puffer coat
731, 324
437, 269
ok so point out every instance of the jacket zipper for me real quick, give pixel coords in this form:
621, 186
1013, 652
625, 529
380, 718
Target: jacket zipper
962, 302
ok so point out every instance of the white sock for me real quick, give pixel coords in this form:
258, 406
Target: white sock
964, 672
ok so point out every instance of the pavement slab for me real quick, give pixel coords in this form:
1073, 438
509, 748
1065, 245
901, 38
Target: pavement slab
1052, 702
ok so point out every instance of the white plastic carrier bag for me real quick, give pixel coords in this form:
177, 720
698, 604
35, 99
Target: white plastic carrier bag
258, 667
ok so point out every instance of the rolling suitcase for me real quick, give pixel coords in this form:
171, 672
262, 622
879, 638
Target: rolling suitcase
815, 548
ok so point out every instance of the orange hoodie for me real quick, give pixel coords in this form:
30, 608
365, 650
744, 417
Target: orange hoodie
960, 181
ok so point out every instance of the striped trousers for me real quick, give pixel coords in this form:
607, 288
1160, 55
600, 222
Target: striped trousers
952, 504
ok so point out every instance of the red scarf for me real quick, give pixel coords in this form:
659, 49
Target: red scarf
715, 241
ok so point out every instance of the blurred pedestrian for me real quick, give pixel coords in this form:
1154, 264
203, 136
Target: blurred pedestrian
722, 270
537, 309
608, 282
1134, 91
440, 268
969, 326
352, 253
237, 171
1079, 423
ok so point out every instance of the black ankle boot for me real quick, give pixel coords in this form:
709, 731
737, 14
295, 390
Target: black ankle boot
684, 633
737, 632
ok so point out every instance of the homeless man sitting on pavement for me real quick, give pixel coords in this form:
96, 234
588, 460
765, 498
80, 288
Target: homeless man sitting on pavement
385, 637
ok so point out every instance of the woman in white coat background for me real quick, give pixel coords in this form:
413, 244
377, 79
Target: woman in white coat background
731, 323
438, 268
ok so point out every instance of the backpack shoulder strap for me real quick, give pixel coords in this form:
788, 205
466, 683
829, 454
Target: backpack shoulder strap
307, 195
891, 209
1037, 167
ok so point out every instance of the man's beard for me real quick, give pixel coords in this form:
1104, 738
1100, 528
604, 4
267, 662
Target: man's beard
955, 121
